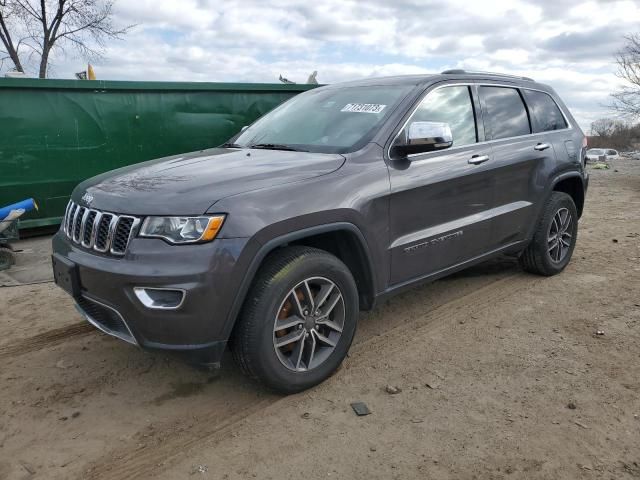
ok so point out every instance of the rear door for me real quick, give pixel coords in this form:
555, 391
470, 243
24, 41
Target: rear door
519, 160
439, 200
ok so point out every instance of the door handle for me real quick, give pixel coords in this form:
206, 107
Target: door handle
478, 159
542, 146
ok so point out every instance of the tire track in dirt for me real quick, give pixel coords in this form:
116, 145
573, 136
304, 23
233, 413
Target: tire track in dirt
46, 339
144, 463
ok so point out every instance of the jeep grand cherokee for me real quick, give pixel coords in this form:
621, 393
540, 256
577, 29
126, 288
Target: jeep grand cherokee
342, 196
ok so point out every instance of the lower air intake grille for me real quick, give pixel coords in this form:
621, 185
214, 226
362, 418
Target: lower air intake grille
105, 318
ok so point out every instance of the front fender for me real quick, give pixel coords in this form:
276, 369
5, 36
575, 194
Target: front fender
266, 247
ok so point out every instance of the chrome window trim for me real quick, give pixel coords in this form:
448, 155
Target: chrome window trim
453, 83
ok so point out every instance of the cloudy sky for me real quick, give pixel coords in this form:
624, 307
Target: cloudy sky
566, 43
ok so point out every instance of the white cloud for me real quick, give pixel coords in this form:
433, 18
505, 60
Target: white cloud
567, 43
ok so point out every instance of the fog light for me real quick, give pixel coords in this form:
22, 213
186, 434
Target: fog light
160, 298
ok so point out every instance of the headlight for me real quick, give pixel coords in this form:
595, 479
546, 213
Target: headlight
182, 229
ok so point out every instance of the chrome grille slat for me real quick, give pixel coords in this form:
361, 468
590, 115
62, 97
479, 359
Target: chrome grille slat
112, 228
94, 229
83, 225
87, 227
64, 219
72, 212
102, 236
77, 224
104, 232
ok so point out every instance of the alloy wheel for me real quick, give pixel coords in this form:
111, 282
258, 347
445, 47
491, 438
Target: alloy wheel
309, 324
560, 237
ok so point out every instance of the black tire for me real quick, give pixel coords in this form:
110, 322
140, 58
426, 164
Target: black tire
537, 257
254, 339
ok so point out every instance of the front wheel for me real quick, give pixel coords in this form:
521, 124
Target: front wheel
555, 237
298, 320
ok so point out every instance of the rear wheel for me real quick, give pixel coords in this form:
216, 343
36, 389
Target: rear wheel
298, 320
555, 237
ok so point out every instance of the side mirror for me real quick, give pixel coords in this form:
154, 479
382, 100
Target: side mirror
420, 137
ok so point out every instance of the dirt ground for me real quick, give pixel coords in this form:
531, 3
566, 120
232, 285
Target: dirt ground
502, 376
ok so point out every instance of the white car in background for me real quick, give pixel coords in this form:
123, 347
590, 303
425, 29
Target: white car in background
594, 154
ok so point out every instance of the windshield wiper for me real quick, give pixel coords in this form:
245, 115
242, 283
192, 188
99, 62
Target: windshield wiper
276, 146
230, 145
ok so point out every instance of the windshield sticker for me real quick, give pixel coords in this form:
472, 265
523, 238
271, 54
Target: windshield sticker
363, 107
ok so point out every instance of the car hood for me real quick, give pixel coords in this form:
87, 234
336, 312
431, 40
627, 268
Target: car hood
189, 184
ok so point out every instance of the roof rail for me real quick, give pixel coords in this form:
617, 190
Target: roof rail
458, 71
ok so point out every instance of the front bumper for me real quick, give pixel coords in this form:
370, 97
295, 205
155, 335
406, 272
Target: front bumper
209, 274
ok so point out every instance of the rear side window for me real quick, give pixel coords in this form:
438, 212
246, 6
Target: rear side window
450, 105
545, 114
504, 113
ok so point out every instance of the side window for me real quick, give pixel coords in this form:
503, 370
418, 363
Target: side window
504, 113
545, 114
611, 152
451, 105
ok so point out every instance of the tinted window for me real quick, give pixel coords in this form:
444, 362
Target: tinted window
451, 105
505, 114
611, 152
545, 114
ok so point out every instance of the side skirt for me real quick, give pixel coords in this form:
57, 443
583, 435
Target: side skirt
401, 287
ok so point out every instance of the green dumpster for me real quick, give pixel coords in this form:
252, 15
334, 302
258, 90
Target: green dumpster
56, 133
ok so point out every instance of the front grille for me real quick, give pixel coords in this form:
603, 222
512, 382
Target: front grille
105, 318
101, 231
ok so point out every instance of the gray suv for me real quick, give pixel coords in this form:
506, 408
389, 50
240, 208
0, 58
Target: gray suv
340, 197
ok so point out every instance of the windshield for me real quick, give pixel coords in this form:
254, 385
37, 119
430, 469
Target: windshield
331, 120
596, 151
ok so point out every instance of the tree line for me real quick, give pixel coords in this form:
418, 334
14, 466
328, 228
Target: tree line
614, 133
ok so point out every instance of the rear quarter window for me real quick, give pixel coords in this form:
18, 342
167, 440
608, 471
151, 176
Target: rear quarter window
545, 113
504, 113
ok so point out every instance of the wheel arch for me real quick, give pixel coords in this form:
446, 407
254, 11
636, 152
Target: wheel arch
573, 185
342, 239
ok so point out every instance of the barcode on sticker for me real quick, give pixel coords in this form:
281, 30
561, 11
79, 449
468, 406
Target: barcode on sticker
363, 107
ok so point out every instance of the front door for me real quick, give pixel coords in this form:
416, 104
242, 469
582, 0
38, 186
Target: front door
440, 201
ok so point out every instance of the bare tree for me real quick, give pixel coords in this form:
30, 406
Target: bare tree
31, 30
605, 127
627, 100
